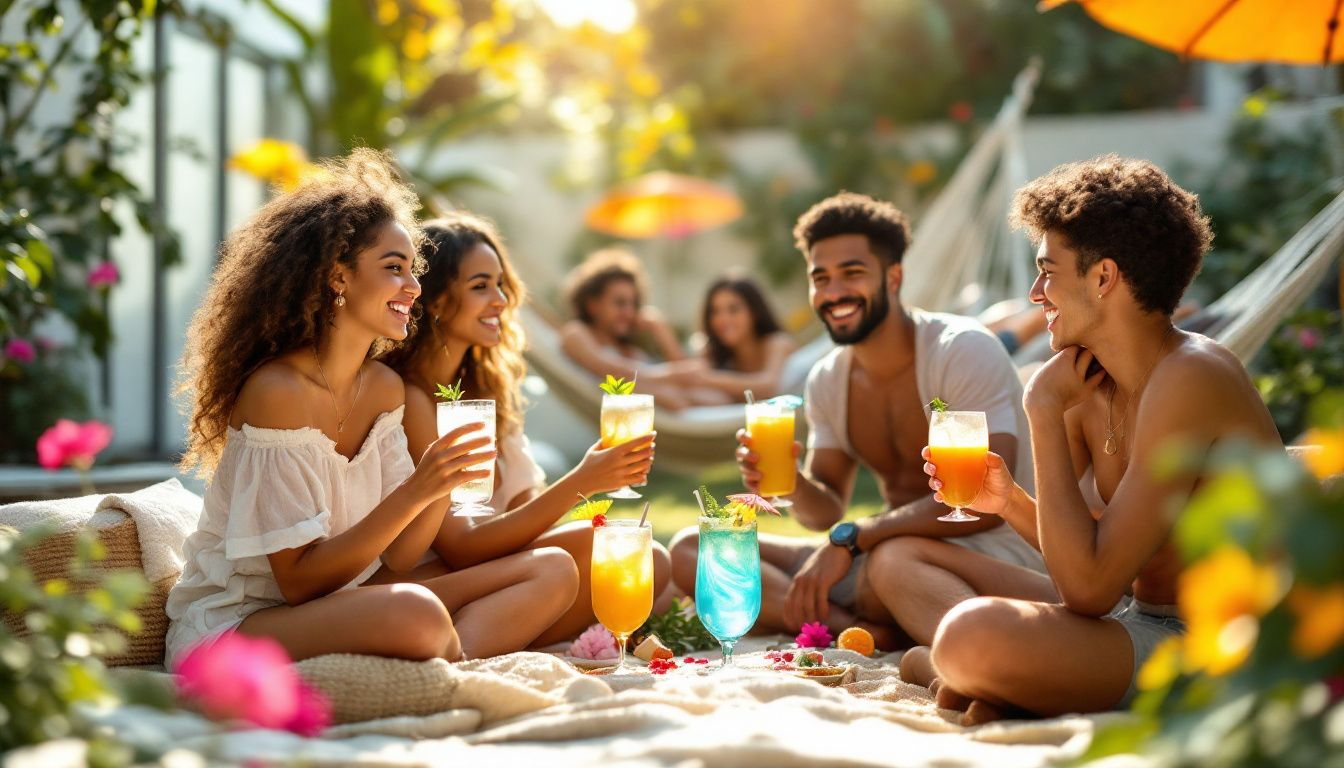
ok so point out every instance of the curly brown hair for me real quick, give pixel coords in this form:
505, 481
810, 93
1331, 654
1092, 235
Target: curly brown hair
588, 280
1125, 210
490, 372
849, 213
270, 292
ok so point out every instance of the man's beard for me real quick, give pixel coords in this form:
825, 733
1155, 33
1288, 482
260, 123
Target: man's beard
874, 312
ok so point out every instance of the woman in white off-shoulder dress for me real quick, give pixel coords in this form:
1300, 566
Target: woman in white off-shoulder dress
469, 330
312, 491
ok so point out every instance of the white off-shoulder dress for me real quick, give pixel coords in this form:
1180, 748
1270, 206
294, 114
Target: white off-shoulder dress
275, 489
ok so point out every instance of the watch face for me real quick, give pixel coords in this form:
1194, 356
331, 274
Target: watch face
843, 534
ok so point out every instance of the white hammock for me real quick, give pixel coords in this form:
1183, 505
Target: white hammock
962, 240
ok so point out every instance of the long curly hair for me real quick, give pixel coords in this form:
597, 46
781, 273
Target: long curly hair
489, 372
763, 322
270, 293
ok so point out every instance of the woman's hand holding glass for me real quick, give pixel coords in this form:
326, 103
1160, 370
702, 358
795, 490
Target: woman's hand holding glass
628, 463
444, 465
995, 493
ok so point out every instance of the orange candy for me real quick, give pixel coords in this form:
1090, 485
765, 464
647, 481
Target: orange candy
857, 640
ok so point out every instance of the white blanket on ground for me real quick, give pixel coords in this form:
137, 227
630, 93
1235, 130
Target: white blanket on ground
693, 716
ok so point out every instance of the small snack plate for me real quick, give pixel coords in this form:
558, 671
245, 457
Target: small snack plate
829, 675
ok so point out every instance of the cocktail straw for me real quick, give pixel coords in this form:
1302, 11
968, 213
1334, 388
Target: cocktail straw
644, 516
703, 512
750, 399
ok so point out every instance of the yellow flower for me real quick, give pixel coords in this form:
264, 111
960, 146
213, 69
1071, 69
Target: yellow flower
921, 173
1255, 106
1222, 598
1320, 619
278, 162
743, 514
1325, 452
1162, 666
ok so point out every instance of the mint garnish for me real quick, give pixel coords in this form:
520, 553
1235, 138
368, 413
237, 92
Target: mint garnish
617, 386
451, 394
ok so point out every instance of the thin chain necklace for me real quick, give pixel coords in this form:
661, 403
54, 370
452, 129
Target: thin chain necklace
1113, 440
359, 387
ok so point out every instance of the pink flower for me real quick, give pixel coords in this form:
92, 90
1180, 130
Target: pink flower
104, 275
814, 635
1308, 338
74, 444
595, 643
961, 111
20, 350
236, 677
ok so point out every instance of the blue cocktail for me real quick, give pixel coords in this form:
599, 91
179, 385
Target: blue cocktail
728, 580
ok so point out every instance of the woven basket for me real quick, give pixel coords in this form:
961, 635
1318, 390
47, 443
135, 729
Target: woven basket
51, 558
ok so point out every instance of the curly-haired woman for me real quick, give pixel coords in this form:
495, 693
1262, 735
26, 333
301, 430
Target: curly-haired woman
469, 331
312, 490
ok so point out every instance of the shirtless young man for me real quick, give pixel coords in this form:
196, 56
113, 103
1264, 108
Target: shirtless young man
865, 404
606, 294
1119, 244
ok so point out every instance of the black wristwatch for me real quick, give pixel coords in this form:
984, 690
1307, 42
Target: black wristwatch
846, 535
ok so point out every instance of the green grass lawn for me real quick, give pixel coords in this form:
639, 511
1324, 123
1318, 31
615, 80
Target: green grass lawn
672, 507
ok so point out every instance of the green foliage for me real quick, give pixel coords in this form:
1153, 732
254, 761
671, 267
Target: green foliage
712, 507
1298, 364
679, 628
59, 183
937, 404
1279, 698
34, 395
46, 672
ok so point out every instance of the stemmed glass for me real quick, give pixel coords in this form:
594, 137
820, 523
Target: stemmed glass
728, 580
469, 499
624, 418
622, 578
958, 443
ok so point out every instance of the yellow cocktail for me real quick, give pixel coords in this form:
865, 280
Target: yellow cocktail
624, 418
622, 577
770, 426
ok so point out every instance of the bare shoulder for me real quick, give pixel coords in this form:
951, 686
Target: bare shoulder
384, 386
575, 330
1210, 388
275, 396
419, 404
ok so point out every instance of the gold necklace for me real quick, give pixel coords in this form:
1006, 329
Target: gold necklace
1112, 445
359, 387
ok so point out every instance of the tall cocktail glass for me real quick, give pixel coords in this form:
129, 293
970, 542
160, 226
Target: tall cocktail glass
770, 425
624, 418
728, 580
958, 442
469, 499
622, 577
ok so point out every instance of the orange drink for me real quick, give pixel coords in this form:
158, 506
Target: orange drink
770, 426
958, 442
961, 470
622, 577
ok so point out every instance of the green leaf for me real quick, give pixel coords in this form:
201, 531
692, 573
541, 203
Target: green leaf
451, 394
937, 404
617, 386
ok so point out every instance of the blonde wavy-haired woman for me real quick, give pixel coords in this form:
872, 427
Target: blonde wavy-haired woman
311, 490
469, 330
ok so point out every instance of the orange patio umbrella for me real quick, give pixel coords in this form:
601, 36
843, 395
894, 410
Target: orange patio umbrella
1278, 31
663, 204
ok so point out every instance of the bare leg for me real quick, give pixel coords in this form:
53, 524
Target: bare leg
576, 538
917, 666
779, 555
916, 581
1035, 656
403, 621
502, 605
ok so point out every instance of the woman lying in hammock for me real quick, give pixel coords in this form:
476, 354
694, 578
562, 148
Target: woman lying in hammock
299, 513
745, 348
468, 330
